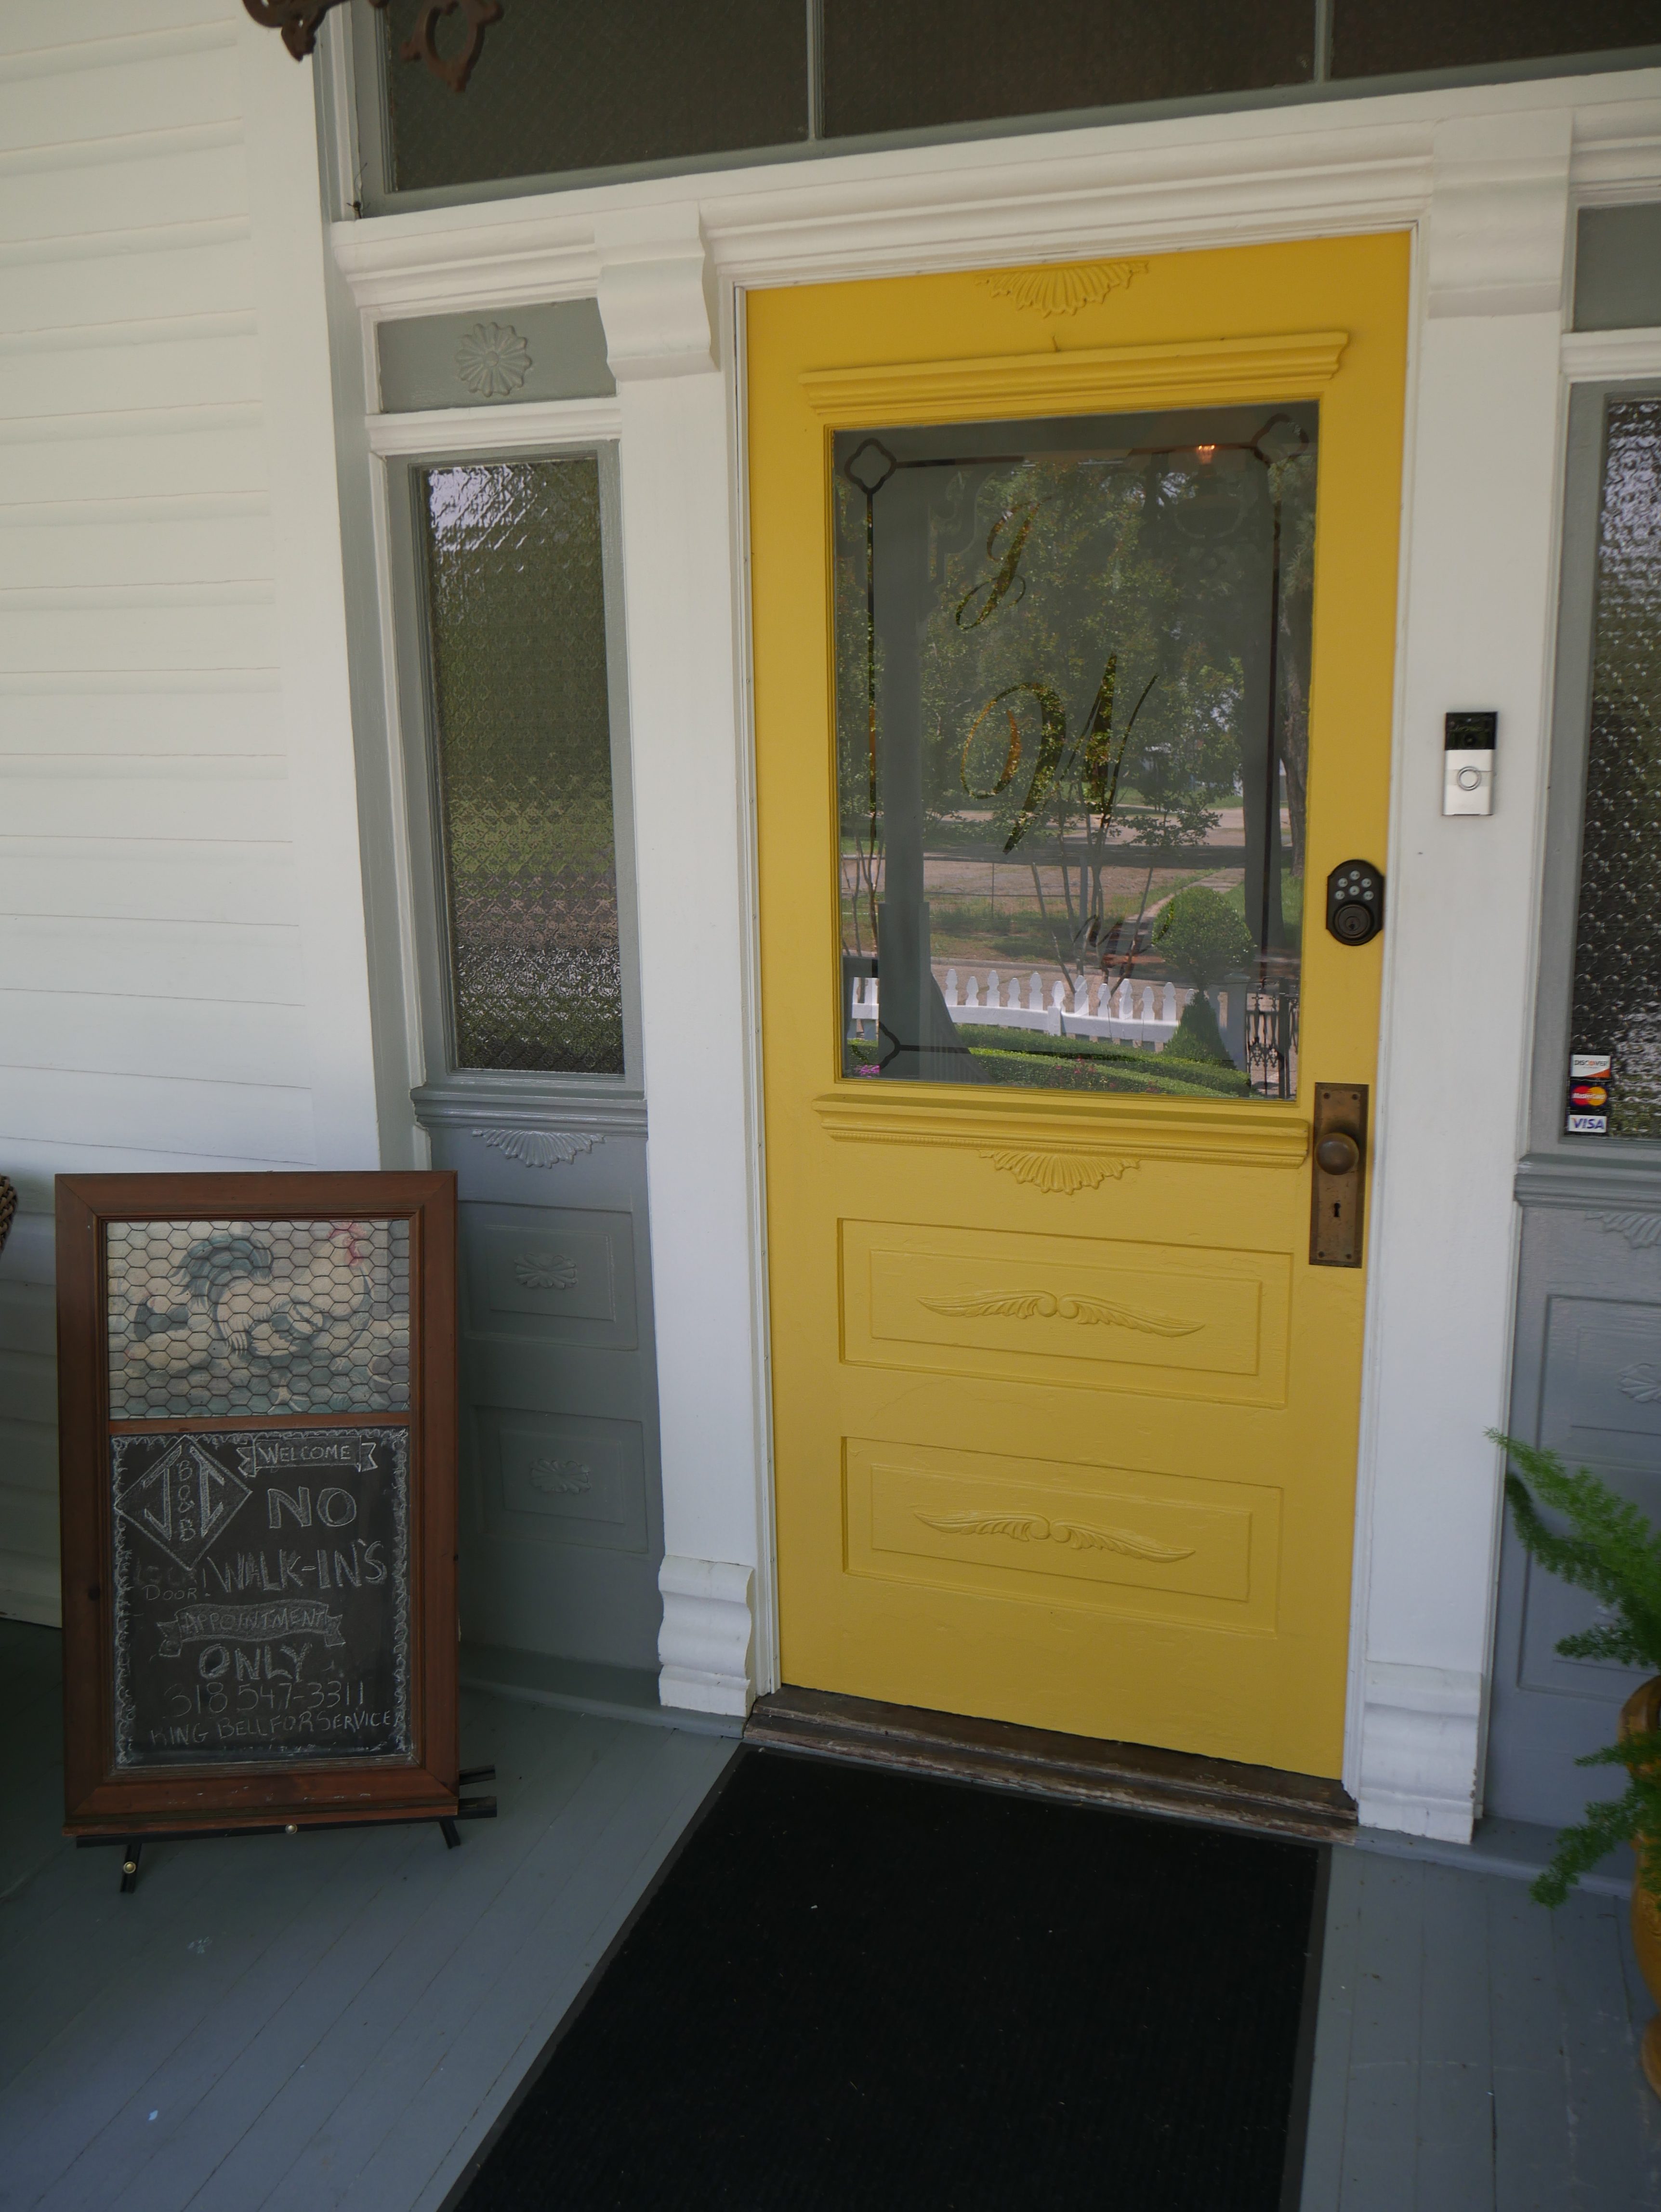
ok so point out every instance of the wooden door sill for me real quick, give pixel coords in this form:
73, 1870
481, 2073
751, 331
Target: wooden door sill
1042, 1763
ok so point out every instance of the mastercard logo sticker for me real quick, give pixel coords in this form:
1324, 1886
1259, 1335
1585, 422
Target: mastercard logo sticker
1589, 1094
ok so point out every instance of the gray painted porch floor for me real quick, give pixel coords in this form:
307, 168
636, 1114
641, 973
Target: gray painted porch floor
336, 2020
332, 2020
1473, 2052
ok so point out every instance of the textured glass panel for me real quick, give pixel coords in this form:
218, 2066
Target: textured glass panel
590, 84
1376, 38
516, 605
941, 61
236, 1317
1617, 956
1071, 703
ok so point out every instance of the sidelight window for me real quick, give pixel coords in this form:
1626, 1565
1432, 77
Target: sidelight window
1617, 1020
521, 714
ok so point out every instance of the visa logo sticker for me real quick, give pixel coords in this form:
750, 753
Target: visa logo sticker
1584, 1064
1589, 1125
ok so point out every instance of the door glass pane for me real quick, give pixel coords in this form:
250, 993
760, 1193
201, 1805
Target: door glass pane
1073, 714
1617, 950
516, 617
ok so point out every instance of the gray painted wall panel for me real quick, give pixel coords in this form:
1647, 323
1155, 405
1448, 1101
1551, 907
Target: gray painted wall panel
554, 352
1617, 268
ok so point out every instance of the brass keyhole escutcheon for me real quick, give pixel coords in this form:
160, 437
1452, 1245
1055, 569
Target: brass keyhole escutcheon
1338, 1175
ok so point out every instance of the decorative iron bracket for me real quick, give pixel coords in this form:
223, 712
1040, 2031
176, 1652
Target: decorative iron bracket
298, 21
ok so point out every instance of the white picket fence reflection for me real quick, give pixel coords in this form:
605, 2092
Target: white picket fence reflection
1129, 1013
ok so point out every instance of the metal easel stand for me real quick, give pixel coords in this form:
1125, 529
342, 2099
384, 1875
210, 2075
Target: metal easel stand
469, 1809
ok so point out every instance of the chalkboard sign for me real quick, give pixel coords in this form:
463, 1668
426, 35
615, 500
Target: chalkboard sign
257, 1425
261, 1596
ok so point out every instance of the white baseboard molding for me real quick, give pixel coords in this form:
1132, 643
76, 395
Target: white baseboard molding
705, 1642
30, 1589
1421, 1749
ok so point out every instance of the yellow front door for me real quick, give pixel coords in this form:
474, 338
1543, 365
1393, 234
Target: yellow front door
1073, 597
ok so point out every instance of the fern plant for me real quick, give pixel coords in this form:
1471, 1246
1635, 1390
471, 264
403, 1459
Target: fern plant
1610, 1549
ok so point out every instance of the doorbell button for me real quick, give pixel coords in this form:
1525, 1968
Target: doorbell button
1468, 763
1355, 901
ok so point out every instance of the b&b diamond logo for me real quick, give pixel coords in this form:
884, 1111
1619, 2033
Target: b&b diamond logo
182, 1501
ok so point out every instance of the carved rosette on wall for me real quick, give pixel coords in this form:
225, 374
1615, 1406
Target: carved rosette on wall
561, 1478
545, 1270
538, 1148
299, 21
493, 360
1063, 290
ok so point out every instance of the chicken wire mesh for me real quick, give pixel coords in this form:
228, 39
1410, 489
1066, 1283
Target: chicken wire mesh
238, 1318
1617, 964
517, 618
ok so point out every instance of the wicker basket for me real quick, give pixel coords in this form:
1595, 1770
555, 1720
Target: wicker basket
8, 1210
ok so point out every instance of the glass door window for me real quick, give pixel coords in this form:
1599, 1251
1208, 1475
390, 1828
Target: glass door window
1073, 667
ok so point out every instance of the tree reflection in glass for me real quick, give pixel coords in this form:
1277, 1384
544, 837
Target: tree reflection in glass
1072, 704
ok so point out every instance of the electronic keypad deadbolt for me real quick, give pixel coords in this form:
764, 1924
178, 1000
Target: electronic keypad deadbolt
1355, 901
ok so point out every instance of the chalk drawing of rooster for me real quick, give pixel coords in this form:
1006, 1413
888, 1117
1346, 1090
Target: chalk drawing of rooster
313, 1316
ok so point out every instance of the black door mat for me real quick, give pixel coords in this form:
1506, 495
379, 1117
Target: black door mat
856, 1990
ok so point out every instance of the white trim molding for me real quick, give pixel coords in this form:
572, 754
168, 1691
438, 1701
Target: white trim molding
708, 1635
1590, 356
534, 427
676, 470
1422, 1740
1499, 214
1482, 505
656, 293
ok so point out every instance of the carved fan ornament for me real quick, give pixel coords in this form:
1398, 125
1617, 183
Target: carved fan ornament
1641, 1231
1064, 289
537, 1148
1058, 1174
1024, 1305
1038, 1529
299, 21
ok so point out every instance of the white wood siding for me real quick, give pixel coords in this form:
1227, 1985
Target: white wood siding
160, 249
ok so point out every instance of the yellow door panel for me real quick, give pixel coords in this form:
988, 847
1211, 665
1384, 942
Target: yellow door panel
1090, 1314
1074, 637
1126, 1541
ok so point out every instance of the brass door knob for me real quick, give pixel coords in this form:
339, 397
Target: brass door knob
1337, 1154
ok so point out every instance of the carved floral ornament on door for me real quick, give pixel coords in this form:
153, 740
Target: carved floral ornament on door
298, 21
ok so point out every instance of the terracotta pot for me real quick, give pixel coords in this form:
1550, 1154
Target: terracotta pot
1641, 1715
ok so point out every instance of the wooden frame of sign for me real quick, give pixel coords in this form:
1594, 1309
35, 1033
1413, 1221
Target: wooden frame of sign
256, 1407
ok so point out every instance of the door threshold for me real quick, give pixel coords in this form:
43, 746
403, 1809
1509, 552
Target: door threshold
1043, 1763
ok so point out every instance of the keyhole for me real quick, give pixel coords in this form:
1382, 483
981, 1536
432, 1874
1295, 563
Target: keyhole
1337, 1208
